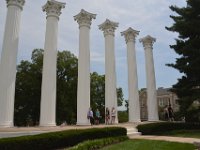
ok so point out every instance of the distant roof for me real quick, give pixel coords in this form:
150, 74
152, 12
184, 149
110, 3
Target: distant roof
160, 91
163, 91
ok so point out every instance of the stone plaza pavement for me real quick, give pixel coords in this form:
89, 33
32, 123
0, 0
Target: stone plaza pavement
131, 132
166, 138
20, 131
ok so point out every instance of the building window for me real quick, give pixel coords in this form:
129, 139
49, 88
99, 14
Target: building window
161, 102
142, 102
167, 101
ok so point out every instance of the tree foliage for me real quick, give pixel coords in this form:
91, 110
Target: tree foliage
98, 93
28, 89
187, 24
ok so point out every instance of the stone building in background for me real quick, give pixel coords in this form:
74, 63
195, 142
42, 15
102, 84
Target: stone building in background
164, 97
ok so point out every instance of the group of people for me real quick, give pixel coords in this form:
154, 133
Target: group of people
169, 113
109, 116
95, 119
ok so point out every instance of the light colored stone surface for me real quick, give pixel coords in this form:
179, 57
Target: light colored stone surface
48, 95
84, 20
8, 61
20, 131
167, 138
134, 105
108, 27
150, 76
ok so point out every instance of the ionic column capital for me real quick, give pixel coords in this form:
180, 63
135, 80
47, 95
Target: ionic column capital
84, 18
53, 8
130, 34
108, 27
148, 41
18, 3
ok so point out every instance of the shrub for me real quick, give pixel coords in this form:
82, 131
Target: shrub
193, 114
122, 116
99, 143
156, 128
55, 140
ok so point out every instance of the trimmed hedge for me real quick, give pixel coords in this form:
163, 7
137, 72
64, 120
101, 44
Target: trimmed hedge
99, 143
61, 139
156, 128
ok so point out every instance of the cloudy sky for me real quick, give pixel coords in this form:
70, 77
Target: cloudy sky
147, 16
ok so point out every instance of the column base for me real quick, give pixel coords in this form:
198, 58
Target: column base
134, 121
48, 125
6, 124
116, 122
83, 124
153, 120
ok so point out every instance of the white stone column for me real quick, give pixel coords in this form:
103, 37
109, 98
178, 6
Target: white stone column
134, 105
84, 20
48, 95
108, 28
8, 61
152, 104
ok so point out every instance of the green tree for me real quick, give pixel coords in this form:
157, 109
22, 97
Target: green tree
67, 76
120, 96
98, 93
187, 24
127, 105
28, 89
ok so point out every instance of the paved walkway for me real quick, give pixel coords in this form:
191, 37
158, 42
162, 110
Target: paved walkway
20, 131
66, 127
166, 138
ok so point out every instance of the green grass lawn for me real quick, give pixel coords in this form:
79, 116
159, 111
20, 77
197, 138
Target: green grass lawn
183, 133
149, 145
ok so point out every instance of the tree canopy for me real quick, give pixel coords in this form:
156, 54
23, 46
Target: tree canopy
187, 46
28, 89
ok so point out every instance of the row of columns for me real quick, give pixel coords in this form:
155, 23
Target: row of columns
48, 95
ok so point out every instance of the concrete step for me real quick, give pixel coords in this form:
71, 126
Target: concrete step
131, 131
133, 134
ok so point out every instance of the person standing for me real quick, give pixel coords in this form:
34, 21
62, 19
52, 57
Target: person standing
171, 113
107, 115
113, 114
90, 116
97, 118
166, 113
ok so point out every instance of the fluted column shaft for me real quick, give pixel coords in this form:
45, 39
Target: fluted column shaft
8, 62
83, 92
48, 95
84, 19
152, 104
108, 28
110, 73
134, 105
